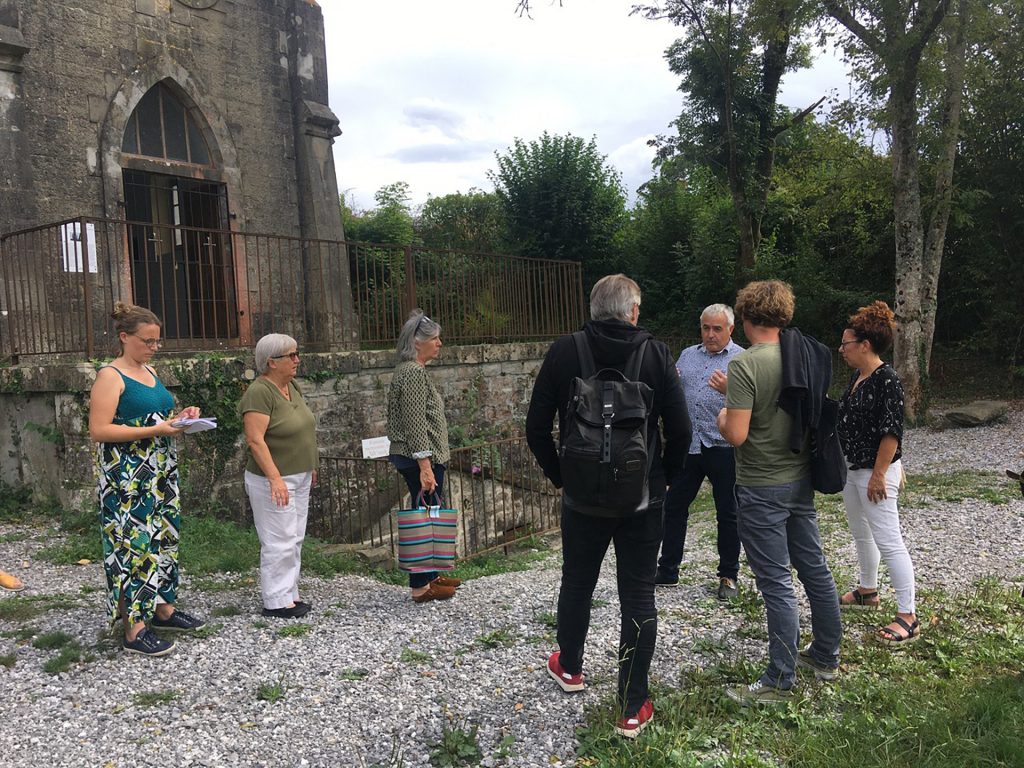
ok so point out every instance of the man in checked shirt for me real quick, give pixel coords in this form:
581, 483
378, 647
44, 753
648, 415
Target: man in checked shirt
702, 370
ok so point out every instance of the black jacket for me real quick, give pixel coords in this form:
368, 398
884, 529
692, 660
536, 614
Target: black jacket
612, 342
806, 377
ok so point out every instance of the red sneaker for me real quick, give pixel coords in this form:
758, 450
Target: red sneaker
630, 727
568, 682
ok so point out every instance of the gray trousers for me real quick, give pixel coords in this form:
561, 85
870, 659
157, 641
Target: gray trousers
778, 526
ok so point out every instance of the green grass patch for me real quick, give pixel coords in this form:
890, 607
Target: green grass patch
271, 692
8, 660
458, 746
30, 607
955, 487
499, 638
15, 503
155, 698
69, 654
412, 656
52, 640
295, 630
353, 674
955, 698
227, 610
21, 633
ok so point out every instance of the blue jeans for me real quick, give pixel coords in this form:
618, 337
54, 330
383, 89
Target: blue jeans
719, 466
779, 528
585, 540
411, 475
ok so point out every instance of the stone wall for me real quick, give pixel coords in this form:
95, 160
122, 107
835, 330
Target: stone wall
44, 411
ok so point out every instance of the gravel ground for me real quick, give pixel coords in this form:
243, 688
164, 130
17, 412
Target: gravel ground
377, 673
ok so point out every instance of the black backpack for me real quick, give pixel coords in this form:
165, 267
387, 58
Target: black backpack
604, 452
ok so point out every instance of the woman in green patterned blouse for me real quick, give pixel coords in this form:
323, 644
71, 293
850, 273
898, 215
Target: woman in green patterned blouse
418, 432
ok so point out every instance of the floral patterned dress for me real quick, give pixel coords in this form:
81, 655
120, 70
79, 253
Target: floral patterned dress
140, 512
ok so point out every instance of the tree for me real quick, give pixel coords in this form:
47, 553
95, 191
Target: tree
561, 201
390, 223
474, 221
892, 37
731, 60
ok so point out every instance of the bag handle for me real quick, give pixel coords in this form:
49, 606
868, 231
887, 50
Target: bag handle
422, 498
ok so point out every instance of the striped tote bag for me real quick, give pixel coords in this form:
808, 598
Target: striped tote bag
426, 536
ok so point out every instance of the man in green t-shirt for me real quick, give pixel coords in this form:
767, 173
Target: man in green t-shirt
775, 512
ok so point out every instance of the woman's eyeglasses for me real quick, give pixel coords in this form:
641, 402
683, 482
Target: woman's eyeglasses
151, 343
289, 355
842, 344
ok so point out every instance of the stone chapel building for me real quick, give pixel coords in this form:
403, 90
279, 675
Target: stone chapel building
197, 121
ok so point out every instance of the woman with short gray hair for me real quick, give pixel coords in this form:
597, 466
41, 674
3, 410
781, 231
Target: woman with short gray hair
280, 432
418, 432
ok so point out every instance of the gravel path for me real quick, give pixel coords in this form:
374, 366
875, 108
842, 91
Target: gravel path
376, 673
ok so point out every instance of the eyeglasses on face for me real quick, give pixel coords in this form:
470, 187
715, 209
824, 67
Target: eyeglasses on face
289, 355
151, 343
849, 341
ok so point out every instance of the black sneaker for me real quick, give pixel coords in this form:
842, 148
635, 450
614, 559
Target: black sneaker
664, 579
147, 643
179, 622
297, 611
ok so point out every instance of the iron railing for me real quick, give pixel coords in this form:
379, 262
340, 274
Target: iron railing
501, 494
222, 289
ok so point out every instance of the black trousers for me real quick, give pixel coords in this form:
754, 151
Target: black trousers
585, 540
719, 466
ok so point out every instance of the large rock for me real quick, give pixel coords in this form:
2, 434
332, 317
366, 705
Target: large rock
977, 414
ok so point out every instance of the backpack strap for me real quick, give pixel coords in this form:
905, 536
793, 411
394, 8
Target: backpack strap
635, 362
587, 365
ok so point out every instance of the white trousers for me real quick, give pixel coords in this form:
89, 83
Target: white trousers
876, 533
281, 531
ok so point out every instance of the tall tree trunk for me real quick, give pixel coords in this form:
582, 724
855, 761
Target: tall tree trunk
910, 345
935, 237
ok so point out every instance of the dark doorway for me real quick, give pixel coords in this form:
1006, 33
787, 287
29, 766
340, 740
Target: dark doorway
181, 260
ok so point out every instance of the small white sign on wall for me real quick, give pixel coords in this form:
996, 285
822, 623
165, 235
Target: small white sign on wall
376, 447
71, 237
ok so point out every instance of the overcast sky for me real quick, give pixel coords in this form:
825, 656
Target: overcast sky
428, 90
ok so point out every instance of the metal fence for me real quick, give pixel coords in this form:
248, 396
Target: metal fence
501, 494
221, 289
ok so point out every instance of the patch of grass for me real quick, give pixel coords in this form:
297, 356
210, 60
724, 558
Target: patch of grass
15, 503
548, 619
271, 692
51, 641
8, 660
208, 584
458, 746
8, 538
212, 629
209, 545
21, 633
27, 608
497, 639
295, 630
260, 624
69, 654
959, 486
955, 698
412, 656
227, 610
353, 674
155, 698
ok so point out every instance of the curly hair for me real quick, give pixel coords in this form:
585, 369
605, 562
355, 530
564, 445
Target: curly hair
874, 324
768, 303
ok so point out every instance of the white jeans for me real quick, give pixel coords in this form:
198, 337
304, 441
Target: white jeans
876, 532
281, 531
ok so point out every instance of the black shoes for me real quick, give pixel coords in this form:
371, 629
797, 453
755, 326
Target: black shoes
665, 579
179, 621
146, 643
297, 611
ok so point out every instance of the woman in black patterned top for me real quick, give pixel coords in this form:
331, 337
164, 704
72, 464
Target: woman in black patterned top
871, 431
418, 432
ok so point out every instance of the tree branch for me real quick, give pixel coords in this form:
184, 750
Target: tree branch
923, 30
798, 118
858, 30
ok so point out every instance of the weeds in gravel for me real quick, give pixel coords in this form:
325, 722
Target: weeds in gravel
272, 692
155, 698
955, 698
954, 487
8, 660
69, 654
260, 624
412, 656
457, 746
27, 608
353, 674
21, 633
548, 619
395, 758
51, 641
295, 630
226, 610
497, 639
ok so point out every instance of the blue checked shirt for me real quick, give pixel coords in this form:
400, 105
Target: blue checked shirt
695, 366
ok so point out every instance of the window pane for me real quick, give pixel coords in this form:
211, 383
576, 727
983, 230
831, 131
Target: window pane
196, 144
148, 115
174, 128
131, 137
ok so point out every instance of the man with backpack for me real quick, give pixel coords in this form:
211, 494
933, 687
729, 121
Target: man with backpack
610, 384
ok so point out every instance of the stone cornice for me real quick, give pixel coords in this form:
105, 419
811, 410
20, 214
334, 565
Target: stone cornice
12, 48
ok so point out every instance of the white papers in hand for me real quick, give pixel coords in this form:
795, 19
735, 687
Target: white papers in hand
195, 425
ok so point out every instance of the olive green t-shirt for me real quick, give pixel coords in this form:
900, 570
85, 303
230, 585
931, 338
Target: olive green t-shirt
755, 381
291, 433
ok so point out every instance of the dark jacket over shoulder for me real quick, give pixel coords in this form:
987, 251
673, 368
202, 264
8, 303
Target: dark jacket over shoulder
806, 377
612, 343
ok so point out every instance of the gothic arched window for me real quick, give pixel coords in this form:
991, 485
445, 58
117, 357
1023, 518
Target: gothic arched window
162, 127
